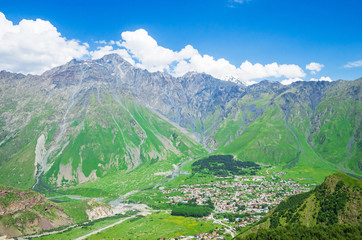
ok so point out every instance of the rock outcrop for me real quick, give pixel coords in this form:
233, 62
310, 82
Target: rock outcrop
27, 212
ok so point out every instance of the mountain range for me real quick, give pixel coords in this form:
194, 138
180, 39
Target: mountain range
108, 126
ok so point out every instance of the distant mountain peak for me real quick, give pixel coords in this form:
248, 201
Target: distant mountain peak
193, 74
236, 80
114, 57
6, 74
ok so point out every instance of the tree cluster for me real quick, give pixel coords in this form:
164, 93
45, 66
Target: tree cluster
288, 209
191, 211
331, 204
224, 165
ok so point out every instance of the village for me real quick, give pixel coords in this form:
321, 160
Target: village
239, 201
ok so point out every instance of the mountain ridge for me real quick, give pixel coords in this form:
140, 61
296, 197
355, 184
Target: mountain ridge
83, 102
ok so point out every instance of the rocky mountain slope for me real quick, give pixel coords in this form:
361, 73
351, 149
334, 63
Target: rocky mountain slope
75, 124
337, 200
27, 212
307, 126
104, 121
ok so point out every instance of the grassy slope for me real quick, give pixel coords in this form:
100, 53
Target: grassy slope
266, 140
150, 227
156, 226
19, 170
160, 145
319, 145
17, 155
95, 140
255, 130
82, 230
340, 125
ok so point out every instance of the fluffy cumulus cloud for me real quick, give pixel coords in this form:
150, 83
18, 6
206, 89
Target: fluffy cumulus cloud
35, 46
327, 79
314, 67
147, 54
223, 69
105, 50
354, 64
290, 81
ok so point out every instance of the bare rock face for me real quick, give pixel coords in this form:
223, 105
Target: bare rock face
99, 210
182, 99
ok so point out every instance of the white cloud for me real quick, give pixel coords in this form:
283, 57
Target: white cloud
223, 69
207, 64
149, 55
314, 67
291, 80
354, 64
35, 46
101, 51
104, 42
327, 79
249, 71
101, 42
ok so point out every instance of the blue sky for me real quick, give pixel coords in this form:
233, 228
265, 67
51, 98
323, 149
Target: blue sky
259, 31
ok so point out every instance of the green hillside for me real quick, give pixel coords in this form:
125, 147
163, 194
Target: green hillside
308, 130
336, 132
118, 136
103, 129
86, 137
336, 201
